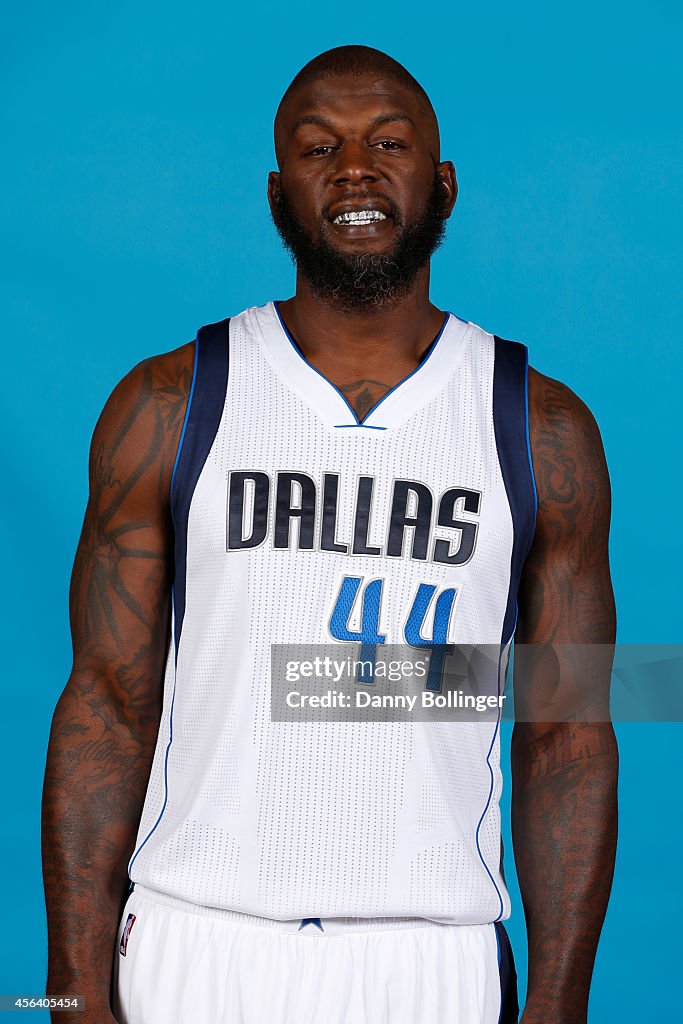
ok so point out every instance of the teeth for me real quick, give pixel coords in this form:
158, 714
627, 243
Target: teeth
359, 217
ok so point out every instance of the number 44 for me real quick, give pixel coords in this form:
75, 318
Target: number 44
369, 635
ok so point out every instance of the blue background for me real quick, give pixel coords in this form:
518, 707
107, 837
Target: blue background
137, 142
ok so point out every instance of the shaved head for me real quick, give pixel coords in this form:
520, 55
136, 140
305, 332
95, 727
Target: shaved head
357, 61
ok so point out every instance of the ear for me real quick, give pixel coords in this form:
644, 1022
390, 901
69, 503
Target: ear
449, 183
274, 187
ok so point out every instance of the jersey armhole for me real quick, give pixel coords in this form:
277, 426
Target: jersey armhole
186, 417
528, 440
205, 406
511, 429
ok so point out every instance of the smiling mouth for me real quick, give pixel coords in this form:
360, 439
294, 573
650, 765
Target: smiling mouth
360, 217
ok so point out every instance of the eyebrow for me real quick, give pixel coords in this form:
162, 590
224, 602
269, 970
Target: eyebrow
384, 118
381, 119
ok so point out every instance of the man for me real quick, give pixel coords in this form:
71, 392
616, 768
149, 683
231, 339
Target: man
350, 464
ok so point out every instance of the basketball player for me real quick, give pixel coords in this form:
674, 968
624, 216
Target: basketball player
248, 489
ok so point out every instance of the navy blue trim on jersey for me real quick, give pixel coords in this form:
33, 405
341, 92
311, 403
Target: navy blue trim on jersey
364, 426
528, 439
511, 426
187, 413
202, 419
205, 405
509, 1005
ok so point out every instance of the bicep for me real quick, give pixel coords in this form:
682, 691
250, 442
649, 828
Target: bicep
119, 610
566, 621
120, 586
565, 593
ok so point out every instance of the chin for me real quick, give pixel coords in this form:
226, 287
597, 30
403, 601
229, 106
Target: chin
361, 245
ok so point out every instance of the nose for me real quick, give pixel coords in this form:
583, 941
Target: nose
354, 165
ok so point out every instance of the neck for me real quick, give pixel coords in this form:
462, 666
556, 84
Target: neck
364, 353
370, 341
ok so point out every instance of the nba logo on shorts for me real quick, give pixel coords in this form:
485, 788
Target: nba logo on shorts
123, 945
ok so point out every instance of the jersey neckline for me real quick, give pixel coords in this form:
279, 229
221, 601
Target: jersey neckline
400, 402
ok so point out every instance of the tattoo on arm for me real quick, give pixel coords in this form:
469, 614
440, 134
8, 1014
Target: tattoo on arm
569, 598
564, 774
555, 751
105, 724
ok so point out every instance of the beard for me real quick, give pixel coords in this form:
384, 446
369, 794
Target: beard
356, 282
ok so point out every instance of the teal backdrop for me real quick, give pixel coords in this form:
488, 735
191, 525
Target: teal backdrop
137, 139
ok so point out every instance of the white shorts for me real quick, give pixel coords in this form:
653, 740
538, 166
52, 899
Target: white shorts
178, 963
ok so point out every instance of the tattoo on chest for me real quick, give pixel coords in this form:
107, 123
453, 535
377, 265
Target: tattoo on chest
363, 394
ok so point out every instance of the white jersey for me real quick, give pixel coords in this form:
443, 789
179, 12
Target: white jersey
286, 510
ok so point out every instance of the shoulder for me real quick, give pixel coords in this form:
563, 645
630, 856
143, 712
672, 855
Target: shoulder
563, 431
554, 406
138, 430
566, 446
158, 381
566, 593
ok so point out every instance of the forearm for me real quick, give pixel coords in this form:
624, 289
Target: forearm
95, 779
564, 821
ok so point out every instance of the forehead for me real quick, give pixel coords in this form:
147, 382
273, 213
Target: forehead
349, 100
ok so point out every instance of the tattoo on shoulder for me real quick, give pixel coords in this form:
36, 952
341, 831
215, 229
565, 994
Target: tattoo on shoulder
118, 546
572, 523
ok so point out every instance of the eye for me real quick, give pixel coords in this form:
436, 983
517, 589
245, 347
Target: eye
388, 145
319, 151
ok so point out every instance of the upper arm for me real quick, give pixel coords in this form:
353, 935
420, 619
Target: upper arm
565, 593
565, 598
120, 586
